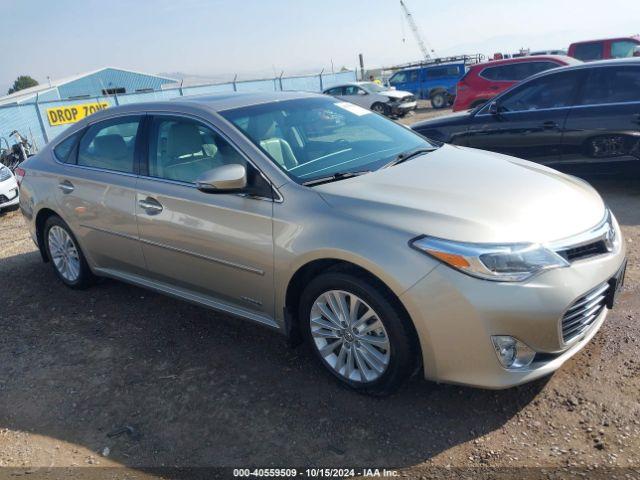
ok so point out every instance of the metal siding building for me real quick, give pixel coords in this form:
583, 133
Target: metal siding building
100, 82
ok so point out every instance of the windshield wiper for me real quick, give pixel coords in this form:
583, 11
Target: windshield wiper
404, 156
334, 178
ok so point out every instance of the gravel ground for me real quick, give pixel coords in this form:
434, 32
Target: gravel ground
119, 376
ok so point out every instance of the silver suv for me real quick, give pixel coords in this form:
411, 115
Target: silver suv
330, 223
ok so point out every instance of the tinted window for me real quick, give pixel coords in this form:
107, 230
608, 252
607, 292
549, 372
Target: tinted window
315, 137
588, 51
353, 90
334, 91
612, 85
516, 71
552, 91
63, 150
623, 48
442, 72
110, 144
404, 77
182, 149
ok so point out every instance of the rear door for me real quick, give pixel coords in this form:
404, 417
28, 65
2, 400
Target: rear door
605, 125
530, 121
218, 247
97, 190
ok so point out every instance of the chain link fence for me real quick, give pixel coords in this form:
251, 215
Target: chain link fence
32, 120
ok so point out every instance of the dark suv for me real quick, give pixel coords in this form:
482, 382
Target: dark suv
586, 115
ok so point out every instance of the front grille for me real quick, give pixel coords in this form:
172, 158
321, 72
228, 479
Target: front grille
3, 199
584, 311
584, 251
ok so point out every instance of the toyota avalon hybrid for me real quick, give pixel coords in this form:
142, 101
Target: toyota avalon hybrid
329, 223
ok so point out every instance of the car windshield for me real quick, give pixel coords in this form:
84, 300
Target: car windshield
373, 87
313, 138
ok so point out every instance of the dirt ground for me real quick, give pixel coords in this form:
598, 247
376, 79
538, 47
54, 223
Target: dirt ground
120, 376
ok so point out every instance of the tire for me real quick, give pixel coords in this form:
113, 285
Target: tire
380, 108
348, 347
439, 100
56, 234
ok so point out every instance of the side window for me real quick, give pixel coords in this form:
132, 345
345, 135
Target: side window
611, 85
399, 77
551, 91
442, 72
63, 151
351, 90
110, 145
588, 51
623, 48
183, 149
334, 91
493, 73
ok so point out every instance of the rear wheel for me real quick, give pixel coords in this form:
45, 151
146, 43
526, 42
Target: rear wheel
439, 100
65, 255
358, 333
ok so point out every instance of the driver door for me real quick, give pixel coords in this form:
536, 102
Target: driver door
530, 119
215, 247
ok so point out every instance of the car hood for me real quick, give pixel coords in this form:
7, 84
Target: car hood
396, 93
470, 195
459, 118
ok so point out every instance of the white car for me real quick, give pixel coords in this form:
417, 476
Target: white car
375, 97
8, 188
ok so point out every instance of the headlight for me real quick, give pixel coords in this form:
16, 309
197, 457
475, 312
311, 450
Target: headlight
497, 262
5, 173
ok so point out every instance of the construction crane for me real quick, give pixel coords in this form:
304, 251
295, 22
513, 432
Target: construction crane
416, 31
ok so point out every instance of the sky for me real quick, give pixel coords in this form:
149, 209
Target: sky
257, 38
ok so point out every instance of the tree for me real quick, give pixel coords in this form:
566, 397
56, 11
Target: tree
22, 82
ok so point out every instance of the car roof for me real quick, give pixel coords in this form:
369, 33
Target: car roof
586, 65
527, 58
226, 101
347, 84
196, 103
613, 39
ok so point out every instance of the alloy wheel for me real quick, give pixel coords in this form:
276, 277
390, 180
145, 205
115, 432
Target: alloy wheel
350, 336
64, 253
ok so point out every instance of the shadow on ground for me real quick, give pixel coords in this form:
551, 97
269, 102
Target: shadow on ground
196, 388
200, 388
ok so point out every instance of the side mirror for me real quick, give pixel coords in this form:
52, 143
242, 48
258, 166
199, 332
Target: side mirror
224, 179
493, 108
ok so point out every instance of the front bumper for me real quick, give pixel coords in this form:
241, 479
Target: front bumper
9, 194
402, 108
455, 316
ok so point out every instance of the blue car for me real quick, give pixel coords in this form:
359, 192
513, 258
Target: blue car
435, 82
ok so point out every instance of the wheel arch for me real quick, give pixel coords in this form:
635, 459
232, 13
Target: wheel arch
314, 267
41, 219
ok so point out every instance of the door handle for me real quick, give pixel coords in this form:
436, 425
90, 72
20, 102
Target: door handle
66, 186
150, 205
550, 125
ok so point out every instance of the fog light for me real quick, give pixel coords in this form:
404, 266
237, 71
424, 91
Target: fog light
512, 353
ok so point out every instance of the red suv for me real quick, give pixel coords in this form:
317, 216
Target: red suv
607, 48
485, 80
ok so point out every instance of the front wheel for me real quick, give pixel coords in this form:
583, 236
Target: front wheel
358, 332
380, 108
